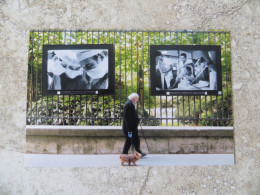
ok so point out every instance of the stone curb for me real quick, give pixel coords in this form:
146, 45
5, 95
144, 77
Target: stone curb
115, 131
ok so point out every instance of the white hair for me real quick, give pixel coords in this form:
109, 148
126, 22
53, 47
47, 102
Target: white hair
133, 95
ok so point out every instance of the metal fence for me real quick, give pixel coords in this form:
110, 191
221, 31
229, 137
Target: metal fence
132, 74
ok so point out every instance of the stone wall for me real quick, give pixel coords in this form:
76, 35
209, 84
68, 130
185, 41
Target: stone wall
109, 140
242, 18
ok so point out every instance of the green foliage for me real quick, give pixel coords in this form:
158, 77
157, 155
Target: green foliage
132, 74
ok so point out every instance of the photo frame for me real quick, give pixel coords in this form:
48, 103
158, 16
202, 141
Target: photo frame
185, 70
78, 69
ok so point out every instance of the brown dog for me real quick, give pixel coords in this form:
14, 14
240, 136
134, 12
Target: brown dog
129, 158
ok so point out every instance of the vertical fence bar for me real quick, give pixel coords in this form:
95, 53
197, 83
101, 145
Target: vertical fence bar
171, 96
155, 99
149, 78
31, 81
166, 108
120, 73
87, 118
222, 98
97, 97
125, 68
183, 99
92, 121
131, 61
200, 117
216, 95
211, 108
115, 79
69, 95
137, 70
194, 97
178, 110
36, 78
51, 95
226, 70
109, 97
42, 102
58, 96
98, 118
205, 95
47, 113
187, 42
75, 116
63, 97
47, 97
103, 102
160, 95
57, 109
143, 72
80, 96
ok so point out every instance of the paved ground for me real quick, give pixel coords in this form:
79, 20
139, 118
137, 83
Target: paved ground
48, 160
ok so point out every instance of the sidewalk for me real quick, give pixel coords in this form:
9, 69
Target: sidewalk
50, 160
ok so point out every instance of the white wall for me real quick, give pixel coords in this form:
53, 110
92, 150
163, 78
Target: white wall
242, 18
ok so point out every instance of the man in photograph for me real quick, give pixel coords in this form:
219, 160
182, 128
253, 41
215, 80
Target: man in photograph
166, 70
201, 71
95, 68
205, 70
185, 73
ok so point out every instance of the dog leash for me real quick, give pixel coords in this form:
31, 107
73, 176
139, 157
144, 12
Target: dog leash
144, 136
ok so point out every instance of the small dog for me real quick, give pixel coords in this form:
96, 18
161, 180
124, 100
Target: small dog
129, 158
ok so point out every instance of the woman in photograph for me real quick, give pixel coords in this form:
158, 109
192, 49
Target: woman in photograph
71, 78
55, 68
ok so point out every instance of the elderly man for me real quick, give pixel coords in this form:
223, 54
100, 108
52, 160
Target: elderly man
130, 124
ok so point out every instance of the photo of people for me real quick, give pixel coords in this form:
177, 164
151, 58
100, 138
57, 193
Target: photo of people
77, 69
185, 70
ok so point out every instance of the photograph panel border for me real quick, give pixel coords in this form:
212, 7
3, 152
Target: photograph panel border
111, 70
153, 54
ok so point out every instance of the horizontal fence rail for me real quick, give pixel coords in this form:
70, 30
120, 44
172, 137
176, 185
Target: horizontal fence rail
132, 74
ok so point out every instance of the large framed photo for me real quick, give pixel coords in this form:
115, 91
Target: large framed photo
185, 70
78, 69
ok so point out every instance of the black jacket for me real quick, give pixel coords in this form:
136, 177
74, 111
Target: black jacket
130, 121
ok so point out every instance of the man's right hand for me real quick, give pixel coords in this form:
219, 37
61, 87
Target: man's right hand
130, 135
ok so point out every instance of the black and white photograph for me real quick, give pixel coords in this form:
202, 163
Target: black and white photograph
185, 68
77, 69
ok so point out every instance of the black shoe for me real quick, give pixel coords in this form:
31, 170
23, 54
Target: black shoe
144, 154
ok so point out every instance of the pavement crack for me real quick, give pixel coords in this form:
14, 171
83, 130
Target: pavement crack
225, 12
145, 181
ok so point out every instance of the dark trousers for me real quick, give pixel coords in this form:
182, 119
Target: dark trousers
134, 140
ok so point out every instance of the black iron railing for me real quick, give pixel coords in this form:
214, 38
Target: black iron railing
132, 74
